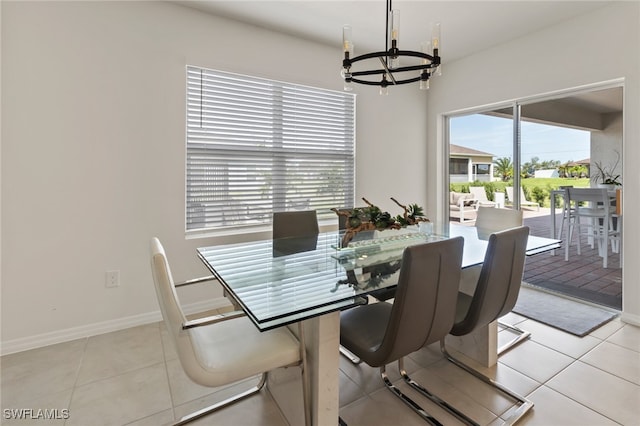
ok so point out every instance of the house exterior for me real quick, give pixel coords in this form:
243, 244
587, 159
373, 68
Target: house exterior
469, 165
547, 173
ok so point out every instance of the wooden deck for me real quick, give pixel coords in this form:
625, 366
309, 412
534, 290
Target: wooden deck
582, 276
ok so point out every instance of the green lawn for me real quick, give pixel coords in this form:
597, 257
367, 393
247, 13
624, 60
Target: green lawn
536, 189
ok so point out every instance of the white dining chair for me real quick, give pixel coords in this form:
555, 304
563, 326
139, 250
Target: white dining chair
492, 220
223, 349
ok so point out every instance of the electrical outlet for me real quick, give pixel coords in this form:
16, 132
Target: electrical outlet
112, 279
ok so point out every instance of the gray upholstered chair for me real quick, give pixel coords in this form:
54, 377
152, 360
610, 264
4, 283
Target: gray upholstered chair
495, 295
294, 232
295, 224
492, 220
422, 312
222, 349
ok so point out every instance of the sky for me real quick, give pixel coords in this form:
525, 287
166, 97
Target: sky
495, 134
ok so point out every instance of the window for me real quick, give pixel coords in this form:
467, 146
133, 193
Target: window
255, 146
458, 166
483, 169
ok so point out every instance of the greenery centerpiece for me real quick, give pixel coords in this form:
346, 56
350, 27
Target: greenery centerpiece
372, 218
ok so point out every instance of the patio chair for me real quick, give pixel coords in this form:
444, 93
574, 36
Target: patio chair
462, 202
523, 198
592, 205
480, 194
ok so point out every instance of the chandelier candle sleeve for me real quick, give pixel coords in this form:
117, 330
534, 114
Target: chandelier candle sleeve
347, 44
391, 66
424, 80
347, 50
435, 40
395, 38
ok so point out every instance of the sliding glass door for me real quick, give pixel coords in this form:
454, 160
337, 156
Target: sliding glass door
521, 153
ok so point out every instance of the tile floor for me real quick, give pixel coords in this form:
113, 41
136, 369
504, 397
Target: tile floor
132, 377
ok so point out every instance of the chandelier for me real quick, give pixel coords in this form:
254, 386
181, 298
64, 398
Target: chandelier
424, 63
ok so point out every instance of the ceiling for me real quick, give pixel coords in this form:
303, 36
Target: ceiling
587, 110
599, 101
467, 26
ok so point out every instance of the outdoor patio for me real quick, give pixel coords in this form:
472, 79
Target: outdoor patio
582, 276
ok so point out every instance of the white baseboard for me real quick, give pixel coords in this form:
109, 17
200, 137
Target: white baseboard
60, 336
630, 319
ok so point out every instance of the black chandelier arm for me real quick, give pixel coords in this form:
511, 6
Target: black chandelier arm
393, 70
418, 55
390, 53
388, 83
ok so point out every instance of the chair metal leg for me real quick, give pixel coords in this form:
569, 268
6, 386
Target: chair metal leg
522, 336
255, 389
434, 398
410, 402
525, 404
208, 410
350, 355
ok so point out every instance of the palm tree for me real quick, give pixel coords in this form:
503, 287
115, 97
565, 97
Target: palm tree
504, 168
550, 164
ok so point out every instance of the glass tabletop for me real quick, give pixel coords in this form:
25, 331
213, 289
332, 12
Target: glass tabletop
281, 281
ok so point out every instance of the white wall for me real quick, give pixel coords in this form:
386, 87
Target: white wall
600, 46
93, 150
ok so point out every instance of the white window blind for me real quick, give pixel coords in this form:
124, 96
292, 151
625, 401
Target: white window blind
255, 146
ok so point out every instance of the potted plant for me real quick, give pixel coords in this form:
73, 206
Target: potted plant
605, 176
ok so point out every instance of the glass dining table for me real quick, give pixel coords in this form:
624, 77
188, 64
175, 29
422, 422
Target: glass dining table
284, 281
